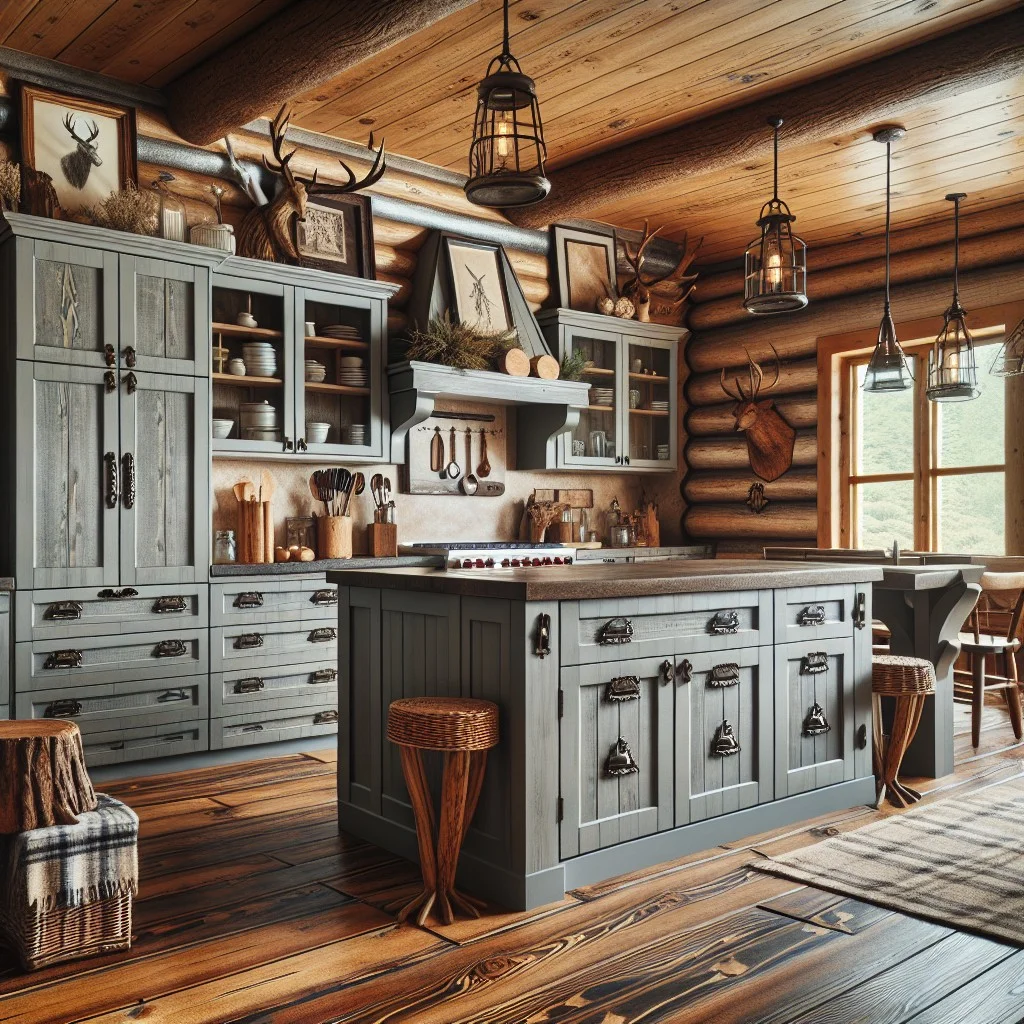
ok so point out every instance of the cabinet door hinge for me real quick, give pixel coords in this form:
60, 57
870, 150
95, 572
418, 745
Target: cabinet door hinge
561, 703
560, 809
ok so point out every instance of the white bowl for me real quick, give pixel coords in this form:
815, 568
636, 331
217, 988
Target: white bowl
316, 433
222, 428
236, 367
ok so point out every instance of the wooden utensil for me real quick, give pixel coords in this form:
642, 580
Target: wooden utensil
437, 452
453, 470
484, 469
469, 482
268, 487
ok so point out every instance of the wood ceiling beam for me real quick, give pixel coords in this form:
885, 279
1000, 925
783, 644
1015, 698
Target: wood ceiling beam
884, 90
300, 48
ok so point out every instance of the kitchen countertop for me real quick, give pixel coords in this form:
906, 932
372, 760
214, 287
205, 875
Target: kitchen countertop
321, 565
634, 579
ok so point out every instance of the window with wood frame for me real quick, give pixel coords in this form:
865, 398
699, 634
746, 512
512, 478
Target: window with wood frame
928, 475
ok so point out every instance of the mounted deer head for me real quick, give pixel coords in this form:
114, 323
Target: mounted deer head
268, 231
637, 288
770, 439
77, 164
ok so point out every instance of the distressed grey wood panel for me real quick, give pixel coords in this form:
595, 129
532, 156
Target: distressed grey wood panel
253, 602
672, 622
169, 739
292, 686
6, 695
802, 761
624, 807
860, 685
67, 535
91, 611
797, 610
111, 659
278, 643
5, 712
272, 726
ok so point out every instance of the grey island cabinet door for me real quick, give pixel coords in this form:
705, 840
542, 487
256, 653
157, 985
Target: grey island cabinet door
165, 316
164, 479
814, 715
67, 303
724, 741
68, 477
617, 757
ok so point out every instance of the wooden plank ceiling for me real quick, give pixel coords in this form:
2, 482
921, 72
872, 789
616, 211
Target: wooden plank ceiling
608, 72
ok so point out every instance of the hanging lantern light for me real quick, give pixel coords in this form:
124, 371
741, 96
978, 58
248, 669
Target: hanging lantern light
775, 264
506, 158
887, 369
1009, 360
952, 369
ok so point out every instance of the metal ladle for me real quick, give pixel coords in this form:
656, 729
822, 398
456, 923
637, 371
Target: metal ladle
469, 482
453, 470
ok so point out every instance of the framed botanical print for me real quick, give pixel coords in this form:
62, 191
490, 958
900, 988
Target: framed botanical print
85, 146
337, 235
477, 287
584, 267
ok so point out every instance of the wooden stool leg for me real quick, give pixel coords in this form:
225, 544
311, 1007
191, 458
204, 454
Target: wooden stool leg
477, 767
878, 747
977, 696
423, 812
1012, 693
454, 788
908, 715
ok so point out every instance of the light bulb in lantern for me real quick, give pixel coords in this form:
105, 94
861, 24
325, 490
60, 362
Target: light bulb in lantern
773, 264
503, 130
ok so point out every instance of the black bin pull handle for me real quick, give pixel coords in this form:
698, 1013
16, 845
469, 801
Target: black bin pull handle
324, 597
248, 641
721, 676
66, 708
324, 717
723, 623
812, 615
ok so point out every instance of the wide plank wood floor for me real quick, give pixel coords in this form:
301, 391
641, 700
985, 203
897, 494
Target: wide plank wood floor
254, 909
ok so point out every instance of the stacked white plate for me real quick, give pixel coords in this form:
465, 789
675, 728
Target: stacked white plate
315, 372
342, 331
352, 372
659, 406
602, 396
662, 452
260, 359
354, 433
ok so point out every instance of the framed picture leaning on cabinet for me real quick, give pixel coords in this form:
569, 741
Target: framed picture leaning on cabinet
86, 147
584, 265
337, 235
478, 295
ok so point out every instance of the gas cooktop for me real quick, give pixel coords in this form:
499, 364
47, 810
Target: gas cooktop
493, 554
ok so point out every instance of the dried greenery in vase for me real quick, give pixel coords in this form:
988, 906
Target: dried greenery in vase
454, 344
10, 185
573, 365
127, 210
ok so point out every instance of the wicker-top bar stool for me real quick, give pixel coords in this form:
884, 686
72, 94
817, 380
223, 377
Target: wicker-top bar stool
464, 730
909, 680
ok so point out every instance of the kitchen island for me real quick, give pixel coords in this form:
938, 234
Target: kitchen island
647, 710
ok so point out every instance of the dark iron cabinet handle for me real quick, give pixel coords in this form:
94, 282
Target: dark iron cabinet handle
724, 675
289, 445
175, 603
725, 743
128, 466
685, 672
63, 611
131, 383
322, 635
129, 357
324, 675
249, 599
814, 663
117, 595
63, 659
247, 641
620, 761
668, 671
543, 646
860, 610
813, 615
63, 709
108, 354
816, 724
323, 717
109, 382
252, 728
615, 631
251, 685
724, 622
300, 445
170, 649
173, 695
113, 484
623, 688
324, 597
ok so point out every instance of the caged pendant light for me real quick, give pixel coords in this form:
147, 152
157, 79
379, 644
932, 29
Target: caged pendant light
1009, 360
506, 157
952, 369
887, 369
775, 264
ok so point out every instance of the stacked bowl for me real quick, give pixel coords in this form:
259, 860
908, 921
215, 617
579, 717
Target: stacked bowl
260, 359
354, 434
315, 371
258, 421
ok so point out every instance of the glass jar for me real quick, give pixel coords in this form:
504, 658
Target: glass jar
171, 221
223, 547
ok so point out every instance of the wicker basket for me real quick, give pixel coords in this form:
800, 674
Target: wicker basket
39, 939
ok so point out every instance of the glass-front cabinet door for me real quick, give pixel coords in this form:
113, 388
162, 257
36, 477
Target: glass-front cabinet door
595, 439
253, 358
339, 392
650, 383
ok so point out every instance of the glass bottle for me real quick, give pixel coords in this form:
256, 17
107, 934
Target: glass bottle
171, 220
224, 547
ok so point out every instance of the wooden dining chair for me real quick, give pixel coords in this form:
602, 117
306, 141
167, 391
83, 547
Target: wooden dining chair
992, 634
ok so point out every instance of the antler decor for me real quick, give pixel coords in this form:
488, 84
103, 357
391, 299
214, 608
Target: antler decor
637, 289
268, 232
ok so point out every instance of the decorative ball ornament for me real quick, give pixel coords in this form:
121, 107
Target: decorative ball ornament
624, 308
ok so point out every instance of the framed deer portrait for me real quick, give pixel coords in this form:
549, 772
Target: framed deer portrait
85, 146
336, 234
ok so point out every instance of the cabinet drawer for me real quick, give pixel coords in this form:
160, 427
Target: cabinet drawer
273, 726
49, 664
119, 705
613, 630
724, 739
247, 602
814, 613
279, 643
814, 715
168, 739
109, 611
268, 689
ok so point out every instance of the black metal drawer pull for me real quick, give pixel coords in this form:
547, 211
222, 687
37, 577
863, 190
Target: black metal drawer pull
623, 688
63, 659
175, 603
724, 675
170, 649
816, 724
128, 468
324, 675
251, 685
63, 709
129, 357
543, 646
860, 610
249, 599
621, 761
814, 664
324, 597
725, 743
63, 611
668, 671
252, 728
117, 595
322, 635
812, 615
110, 382
685, 671
113, 485
724, 622
248, 641
324, 717
173, 695
108, 354
615, 631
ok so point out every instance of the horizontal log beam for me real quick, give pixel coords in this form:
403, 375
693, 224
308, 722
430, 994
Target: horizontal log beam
706, 421
780, 521
794, 377
880, 91
711, 486
389, 260
731, 452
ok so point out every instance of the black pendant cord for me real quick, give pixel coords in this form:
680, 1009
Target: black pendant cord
956, 252
888, 163
505, 51
775, 163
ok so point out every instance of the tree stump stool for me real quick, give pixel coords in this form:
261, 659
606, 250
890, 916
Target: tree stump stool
464, 730
43, 779
909, 681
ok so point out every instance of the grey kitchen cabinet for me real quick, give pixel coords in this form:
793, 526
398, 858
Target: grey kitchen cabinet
313, 684
177, 735
254, 602
633, 370
814, 613
275, 643
268, 726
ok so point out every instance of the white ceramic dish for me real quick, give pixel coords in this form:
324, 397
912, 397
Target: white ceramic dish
236, 367
222, 428
316, 433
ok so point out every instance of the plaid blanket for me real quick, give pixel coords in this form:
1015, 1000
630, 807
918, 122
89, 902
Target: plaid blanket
71, 865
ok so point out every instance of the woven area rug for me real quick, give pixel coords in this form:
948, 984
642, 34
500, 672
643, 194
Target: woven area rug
958, 862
